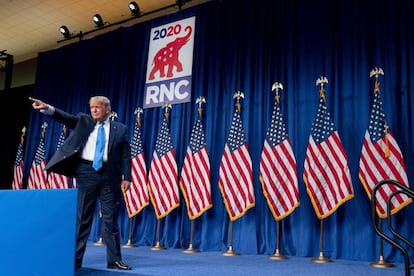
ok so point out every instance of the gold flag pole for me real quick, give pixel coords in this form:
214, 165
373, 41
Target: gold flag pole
230, 251
237, 95
381, 263
129, 244
321, 258
277, 255
100, 241
190, 248
158, 245
43, 133
200, 100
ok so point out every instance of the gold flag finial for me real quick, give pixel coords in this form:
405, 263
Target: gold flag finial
376, 72
321, 81
138, 111
277, 86
44, 126
166, 107
200, 100
22, 135
113, 115
238, 95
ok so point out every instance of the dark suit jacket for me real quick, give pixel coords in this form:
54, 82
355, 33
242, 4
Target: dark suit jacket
67, 157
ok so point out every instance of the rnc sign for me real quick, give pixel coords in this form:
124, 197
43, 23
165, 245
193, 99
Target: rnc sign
170, 63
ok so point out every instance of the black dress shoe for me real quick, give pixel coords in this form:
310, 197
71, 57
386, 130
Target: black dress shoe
119, 265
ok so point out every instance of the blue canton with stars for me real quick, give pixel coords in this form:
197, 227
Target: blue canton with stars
322, 126
136, 143
197, 138
236, 136
61, 139
277, 130
377, 122
19, 155
163, 144
40, 152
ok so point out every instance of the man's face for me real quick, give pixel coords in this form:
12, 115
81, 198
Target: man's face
98, 111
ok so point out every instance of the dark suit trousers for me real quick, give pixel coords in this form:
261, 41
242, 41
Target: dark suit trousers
92, 185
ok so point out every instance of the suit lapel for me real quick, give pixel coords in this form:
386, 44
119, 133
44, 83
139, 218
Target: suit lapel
112, 135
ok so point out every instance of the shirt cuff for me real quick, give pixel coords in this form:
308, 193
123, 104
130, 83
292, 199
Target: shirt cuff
49, 111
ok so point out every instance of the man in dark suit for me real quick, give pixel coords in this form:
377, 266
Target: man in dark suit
94, 179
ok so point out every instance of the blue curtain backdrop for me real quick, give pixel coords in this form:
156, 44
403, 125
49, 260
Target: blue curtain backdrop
247, 46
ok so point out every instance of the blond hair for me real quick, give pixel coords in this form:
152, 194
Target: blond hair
103, 100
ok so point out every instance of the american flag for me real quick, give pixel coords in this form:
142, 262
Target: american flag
38, 176
195, 174
381, 159
163, 175
278, 173
136, 198
58, 181
326, 172
236, 173
17, 183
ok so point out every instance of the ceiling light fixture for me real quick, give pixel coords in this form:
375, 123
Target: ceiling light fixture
65, 31
134, 8
100, 24
97, 19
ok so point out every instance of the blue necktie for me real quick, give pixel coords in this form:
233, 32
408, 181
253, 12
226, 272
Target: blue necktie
100, 148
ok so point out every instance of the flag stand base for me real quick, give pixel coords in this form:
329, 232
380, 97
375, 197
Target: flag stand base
230, 252
158, 246
277, 256
99, 242
191, 249
129, 244
381, 263
321, 259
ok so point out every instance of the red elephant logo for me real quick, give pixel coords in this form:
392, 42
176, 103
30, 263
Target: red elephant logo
169, 56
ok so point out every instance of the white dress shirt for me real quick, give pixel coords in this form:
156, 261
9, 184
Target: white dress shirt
89, 148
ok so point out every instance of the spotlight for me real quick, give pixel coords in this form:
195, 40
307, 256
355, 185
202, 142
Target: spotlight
133, 6
65, 31
98, 20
